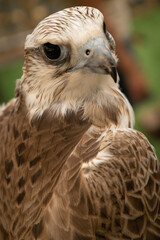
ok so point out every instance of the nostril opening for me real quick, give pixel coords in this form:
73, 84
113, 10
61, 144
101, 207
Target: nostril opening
88, 52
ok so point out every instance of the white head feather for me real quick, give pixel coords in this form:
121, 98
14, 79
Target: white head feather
50, 86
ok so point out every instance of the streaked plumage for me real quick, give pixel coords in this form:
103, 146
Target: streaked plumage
72, 167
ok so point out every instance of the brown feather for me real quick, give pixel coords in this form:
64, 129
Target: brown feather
71, 166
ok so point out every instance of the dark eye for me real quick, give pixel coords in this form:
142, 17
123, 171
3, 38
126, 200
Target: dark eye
53, 52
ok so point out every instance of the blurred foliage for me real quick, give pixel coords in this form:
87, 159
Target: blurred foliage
147, 48
8, 74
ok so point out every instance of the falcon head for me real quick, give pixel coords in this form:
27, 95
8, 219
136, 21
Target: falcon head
70, 63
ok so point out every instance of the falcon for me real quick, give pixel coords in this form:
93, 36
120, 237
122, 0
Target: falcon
72, 167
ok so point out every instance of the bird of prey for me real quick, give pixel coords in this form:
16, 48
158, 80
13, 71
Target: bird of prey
71, 165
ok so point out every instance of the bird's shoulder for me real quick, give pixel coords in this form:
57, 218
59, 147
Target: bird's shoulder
107, 155
99, 148
121, 153
117, 145
129, 143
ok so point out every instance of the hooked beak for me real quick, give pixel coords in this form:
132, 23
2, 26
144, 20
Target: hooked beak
96, 57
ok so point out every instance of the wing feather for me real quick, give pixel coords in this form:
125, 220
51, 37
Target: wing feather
111, 186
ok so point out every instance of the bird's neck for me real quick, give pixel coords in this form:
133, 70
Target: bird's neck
109, 109
98, 97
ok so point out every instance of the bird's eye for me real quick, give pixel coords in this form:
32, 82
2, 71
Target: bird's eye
53, 52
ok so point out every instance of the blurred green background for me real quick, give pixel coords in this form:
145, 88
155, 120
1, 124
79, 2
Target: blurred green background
148, 54
146, 43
